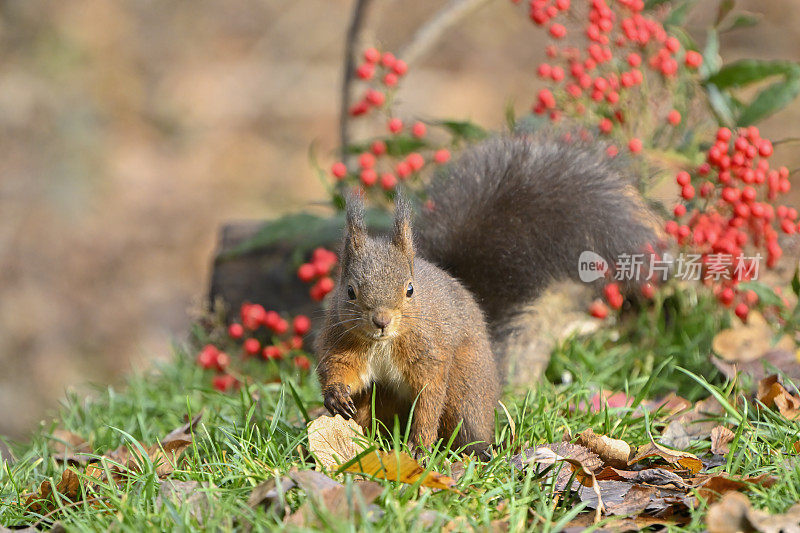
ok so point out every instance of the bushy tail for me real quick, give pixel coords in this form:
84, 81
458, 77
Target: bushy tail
515, 213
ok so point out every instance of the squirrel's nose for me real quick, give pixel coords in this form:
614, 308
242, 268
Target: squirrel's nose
381, 320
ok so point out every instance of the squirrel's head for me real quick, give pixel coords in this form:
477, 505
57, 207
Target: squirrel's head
377, 276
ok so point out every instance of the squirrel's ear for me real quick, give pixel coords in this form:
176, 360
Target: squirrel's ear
356, 229
402, 237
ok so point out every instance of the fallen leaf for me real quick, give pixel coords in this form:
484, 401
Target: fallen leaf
650, 476
675, 435
772, 394
638, 523
332, 496
615, 452
333, 441
721, 437
68, 447
545, 456
69, 487
695, 424
784, 360
746, 342
634, 502
687, 460
671, 405
734, 513
401, 467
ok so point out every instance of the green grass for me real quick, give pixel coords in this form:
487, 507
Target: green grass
252, 435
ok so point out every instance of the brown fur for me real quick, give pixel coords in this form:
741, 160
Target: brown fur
435, 349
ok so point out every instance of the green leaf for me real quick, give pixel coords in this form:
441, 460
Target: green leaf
651, 4
765, 294
464, 129
711, 60
721, 105
725, 7
747, 71
796, 282
677, 16
304, 232
770, 100
742, 20
396, 145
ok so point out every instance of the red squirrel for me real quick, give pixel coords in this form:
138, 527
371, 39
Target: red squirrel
423, 317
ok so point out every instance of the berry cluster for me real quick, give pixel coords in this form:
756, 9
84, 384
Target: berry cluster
319, 269
260, 334
600, 83
397, 156
727, 208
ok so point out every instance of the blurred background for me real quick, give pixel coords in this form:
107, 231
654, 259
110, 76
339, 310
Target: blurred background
131, 129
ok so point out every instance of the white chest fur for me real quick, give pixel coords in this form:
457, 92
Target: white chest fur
381, 368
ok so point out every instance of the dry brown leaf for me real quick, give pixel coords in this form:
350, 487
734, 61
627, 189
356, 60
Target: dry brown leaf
650, 476
399, 467
615, 452
69, 447
772, 394
720, 438
687, 460
634, 502
333, 441
786, 360
332, 496
69, 486
714, 486
671, 405
638, 523
545, 456
747, 342
734, 513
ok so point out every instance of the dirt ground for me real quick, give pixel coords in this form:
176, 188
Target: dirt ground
130, 130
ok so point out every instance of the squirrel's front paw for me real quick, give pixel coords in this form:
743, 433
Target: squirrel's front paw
338, 401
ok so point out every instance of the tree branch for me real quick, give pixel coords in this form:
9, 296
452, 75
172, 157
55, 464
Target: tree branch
350, 47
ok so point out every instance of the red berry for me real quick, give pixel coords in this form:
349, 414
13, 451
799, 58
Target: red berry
207, 357
558, 31
441, 156
325, 285
272, 352
339, 170
371, 55
368, 177
679, 210
672, 44
306, 272
301, 324
375, 97
415, 161
606, 125
271, 319
648, 291
598, 309
687, 192
765, 148
296, 343
741, 311
693, 59
674, 117
223, 382
635, 145
252, 316
235, 331
683, 178
388, 181
390, 79
726, 296
400, 67
388, 59
612, 151
222, 361
251, 346
634, 59
365, 71
366, 160
378, 148
403, 169
302, 362
418, 130
395, 125
282, 326
546, 99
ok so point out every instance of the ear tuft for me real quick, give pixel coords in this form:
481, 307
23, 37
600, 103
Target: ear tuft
356, 234
402, 236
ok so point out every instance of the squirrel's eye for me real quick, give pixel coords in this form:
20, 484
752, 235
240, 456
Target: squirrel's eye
351, 292
409, 290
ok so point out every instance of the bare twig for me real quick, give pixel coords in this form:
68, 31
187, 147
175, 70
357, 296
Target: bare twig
351, 44
431, 31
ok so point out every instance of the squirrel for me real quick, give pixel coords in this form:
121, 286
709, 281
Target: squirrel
421, 320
